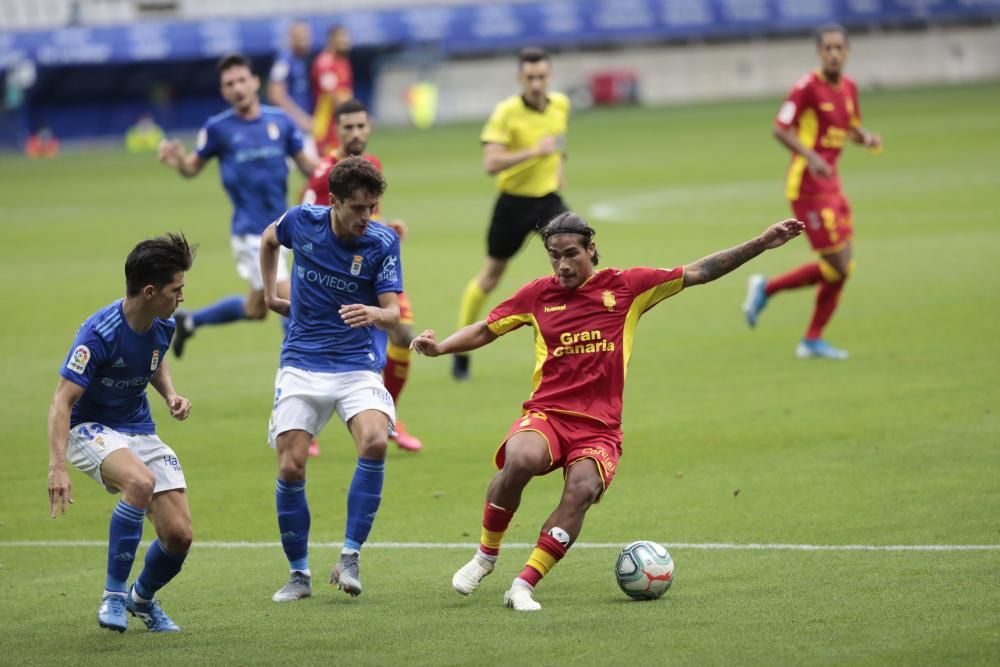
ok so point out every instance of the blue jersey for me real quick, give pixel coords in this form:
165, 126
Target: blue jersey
293, 71
330, 273
113, 364
252, 163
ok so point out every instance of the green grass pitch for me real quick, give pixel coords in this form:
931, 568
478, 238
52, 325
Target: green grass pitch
728, 438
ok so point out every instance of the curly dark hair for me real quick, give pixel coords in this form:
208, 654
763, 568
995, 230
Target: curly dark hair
156, 261
355, 173
570, 223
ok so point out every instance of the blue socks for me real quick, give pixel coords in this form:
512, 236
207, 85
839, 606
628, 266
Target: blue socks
229, 309
363, 500
293, 522
160, 568
123, 540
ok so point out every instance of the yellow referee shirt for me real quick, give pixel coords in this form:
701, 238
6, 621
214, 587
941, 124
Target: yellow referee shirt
518, 126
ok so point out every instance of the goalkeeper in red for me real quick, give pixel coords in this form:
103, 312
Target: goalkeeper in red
584, 323
820, 115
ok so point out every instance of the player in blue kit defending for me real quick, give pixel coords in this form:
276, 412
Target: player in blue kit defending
100, 422
344, 295
251, 142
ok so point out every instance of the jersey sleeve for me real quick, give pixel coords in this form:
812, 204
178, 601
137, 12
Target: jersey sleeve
651, 286
207, 145
390, 276
496, 130
294, 142
84, 358
280, 69
513, 313
284, 226
798, 100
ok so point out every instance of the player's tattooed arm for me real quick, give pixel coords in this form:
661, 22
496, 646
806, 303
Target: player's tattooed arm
719, 264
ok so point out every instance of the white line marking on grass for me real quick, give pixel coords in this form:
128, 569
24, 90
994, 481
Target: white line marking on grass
701, 546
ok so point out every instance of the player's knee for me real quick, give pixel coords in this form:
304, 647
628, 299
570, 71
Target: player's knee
291, 470
139, 489
583, 492
178, 537
835, 271
373, 446
523, 462
255, 311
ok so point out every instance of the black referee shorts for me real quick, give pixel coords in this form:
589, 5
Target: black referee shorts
514, 218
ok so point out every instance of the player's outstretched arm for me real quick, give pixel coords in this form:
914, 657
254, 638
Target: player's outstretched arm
269, 248
719, 264
171, 153
179, 406
60, 487
277, 94
466, 339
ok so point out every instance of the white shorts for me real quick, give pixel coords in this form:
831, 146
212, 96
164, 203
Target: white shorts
90, 443
246, 252
305, 400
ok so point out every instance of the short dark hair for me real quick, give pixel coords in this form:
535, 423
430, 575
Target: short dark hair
156, 261
355, 173
233, 60
570, 223
827, 28
349, 106
335, 28
531, 54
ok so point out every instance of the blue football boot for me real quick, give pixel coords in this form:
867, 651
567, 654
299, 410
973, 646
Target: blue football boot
756, 299
111, 613
818, 349
151, 614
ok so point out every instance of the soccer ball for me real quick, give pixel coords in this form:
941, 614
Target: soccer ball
644, 570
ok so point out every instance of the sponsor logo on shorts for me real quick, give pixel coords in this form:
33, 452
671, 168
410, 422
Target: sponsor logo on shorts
356, 265
172, 462
382, 395
79, 359
601, 456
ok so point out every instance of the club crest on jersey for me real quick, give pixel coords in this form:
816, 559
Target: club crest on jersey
356, 265
273, 132
609, 299
155, 361
79, 359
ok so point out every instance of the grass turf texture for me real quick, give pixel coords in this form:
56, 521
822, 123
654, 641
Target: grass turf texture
728, 438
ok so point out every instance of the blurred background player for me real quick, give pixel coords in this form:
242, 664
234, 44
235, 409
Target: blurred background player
523, 144
332, 81
344, 296
288, 82
100, 422
584, 324
819, 116
353, 129
251, 142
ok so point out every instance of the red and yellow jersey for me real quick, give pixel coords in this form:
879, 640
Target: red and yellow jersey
823, 114
318, 189
584, 336
332, 82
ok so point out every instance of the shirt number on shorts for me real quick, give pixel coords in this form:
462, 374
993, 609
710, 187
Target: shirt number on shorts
86, 433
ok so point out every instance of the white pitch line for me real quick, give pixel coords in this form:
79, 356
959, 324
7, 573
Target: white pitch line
701, 546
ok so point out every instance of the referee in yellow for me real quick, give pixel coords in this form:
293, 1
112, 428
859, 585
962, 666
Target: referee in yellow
524, 146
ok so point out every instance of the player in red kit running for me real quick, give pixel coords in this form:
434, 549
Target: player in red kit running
332, 80
353, 130
820, 115
584, 324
